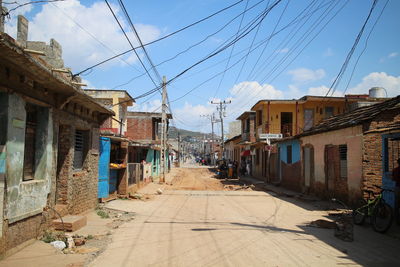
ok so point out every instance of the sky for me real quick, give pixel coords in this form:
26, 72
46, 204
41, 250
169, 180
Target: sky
281, 49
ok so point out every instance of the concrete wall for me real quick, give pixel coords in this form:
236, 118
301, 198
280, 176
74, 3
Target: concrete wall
352, 137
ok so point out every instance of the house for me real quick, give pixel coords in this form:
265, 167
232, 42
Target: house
49, 145
291, 117
344, 154
143, 129
116, 175
232, 149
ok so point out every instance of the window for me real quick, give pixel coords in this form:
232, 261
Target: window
81, 148
259, 117
30, 138
328, 112
343, 161
289, 154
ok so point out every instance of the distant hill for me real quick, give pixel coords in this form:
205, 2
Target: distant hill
173, 133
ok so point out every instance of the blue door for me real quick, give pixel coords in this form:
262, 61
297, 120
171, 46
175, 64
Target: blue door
104, 167
390, 154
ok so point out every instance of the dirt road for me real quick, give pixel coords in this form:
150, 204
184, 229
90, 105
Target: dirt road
212, 226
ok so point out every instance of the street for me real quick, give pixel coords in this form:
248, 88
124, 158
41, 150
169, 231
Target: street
196, 221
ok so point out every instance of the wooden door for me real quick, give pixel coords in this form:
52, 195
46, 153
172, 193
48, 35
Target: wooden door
307, 166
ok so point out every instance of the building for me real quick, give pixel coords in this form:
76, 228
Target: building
49, 142
344, 154
235, 128
143, 129
284, 118
118, 101
116, 176
232, 149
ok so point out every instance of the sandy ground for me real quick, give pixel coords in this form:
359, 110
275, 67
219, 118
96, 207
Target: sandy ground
202, 221
211, 226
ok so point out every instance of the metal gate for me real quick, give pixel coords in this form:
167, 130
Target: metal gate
104, 170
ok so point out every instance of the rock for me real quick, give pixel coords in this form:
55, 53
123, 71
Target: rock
58, 244
159, 191
79, 241
70, 242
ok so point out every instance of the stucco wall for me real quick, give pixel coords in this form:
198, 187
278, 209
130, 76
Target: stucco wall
26, 198
352, 137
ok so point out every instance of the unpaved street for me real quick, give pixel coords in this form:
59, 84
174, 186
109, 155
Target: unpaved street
211, 227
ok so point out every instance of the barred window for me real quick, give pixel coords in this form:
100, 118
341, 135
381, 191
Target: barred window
81, 147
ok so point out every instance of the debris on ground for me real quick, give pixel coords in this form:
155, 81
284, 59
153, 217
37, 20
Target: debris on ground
51, 236
159, 191
323, 224
58, 244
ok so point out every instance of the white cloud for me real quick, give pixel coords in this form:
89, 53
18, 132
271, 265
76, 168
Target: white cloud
322, 91
149, 106
284, 50
378, 79
392, 55
303, 75
328, 52
80, 49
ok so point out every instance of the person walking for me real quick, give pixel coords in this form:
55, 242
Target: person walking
396, 179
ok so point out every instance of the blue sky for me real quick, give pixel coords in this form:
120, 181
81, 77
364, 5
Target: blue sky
88, 34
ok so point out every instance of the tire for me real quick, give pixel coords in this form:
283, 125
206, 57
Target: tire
359, 215
382, 217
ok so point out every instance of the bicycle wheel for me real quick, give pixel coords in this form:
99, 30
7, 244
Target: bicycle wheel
359, 215
382, 217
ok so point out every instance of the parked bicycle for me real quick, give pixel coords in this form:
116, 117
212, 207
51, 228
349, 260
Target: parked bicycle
375, 207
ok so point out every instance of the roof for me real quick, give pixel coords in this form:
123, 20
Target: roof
36, 67
147, 114
306, 98
355, 117
233, 138
245, 114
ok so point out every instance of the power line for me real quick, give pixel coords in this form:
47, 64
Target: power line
365, 47
130, 43
162, 38
349, 55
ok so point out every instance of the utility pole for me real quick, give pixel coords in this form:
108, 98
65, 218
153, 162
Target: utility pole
179, 150
163, 129
221, 109
213, 120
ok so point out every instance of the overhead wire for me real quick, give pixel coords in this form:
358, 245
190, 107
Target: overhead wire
339, 76
365, 47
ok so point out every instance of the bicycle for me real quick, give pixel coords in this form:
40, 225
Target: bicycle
377, 209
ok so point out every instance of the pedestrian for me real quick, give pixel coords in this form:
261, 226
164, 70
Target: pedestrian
230, 169
243, 167
248, 168
396, 179
235, 169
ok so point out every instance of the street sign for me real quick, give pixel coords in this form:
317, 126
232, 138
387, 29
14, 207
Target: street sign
270, 136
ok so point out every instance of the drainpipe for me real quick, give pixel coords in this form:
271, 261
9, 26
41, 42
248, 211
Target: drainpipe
268, 115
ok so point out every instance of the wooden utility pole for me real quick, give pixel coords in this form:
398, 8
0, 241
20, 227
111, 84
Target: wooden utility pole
163, 130
213, 120
221, 109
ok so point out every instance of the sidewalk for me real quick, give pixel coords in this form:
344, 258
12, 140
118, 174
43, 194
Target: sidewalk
393, 232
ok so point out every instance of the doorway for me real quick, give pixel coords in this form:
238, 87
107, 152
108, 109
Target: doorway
390, 154
286, 123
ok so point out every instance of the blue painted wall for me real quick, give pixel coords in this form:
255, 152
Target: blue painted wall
295, 150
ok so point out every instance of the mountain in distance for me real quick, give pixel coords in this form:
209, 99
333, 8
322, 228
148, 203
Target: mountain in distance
185, 134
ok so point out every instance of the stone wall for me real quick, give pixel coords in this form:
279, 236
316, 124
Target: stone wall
76, 188
372, 148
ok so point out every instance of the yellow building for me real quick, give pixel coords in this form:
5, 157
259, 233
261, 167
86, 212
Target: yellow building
291, 117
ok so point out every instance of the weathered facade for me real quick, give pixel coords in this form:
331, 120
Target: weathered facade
345, 154
144, 131
48, 143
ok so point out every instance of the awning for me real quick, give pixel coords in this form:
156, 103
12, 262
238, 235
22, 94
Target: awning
245, 153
